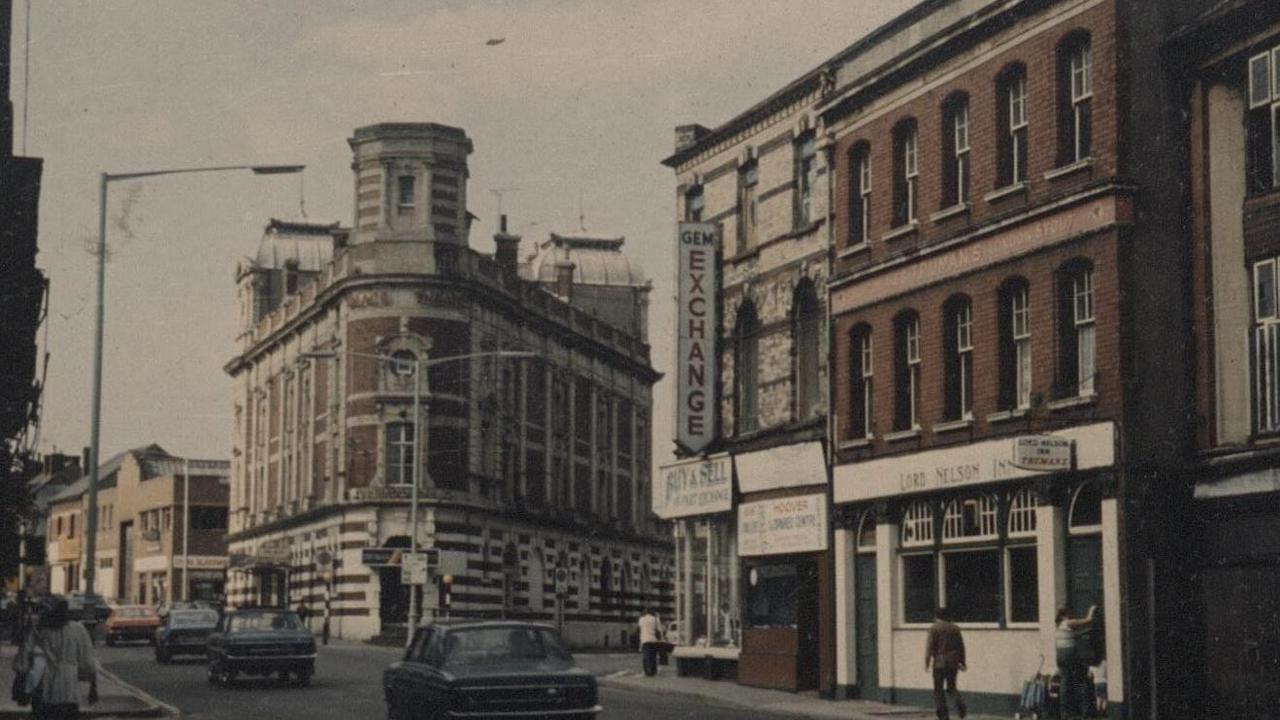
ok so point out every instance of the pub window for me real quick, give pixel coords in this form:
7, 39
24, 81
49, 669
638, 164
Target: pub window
1086, 509
919, 569
1014, 362
860, 383
867, 532
1075, 99
955, 151
859, 194
972, 518
1022, 565
746, 360
906, 353
1076, 330
1022, 514
806, 320
1263, 122
1266, 348
905, 172
917, 525
748, 205
1011, 121
958, 358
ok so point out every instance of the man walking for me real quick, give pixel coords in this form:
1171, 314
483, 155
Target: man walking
650, 635
945, 650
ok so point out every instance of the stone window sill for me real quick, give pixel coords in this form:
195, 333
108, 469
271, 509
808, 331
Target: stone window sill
853, 250
1073, 402
1007, 415
903, 434
1075, 167
1006, 191
949, 212
856, 443
901, 232
953, 425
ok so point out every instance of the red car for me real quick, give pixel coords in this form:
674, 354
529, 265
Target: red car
132, 622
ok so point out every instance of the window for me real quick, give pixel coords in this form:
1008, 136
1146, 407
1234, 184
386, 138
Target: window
208, 518
867, 532
905, 172
971, 587
1086, 509
399, 453
906, 371
1263, 122
746, 360
1022, 514
71, 527
972, 518
806, 175
693, 204
405, 185
955, 152
773, 595
1015, 346
1075, 92
1011, 121
958, 348
919, 586
1266, 348
859, 194
748, 205
1024, 584
806, 320
860, 377
1076, 368
917, 524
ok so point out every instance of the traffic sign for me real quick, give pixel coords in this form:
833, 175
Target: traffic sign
562, 580
324, 560
413, 569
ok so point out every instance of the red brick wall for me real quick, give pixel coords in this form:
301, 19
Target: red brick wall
1038, 53
982, 287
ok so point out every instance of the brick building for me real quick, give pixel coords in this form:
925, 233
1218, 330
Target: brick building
142, 552
1230, 58
753, 602
1007, 271
528, 466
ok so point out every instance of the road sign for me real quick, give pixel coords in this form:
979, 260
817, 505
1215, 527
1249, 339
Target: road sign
324, 560
562, 580
379, 556
413, 569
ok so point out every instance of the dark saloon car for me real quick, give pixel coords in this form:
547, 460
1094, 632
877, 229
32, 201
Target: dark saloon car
488, 669
261, 641
184, 632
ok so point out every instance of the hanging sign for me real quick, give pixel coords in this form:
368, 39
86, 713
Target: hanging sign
696, 367
1045, 453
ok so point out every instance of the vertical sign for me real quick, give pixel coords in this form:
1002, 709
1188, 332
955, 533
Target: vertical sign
696, 245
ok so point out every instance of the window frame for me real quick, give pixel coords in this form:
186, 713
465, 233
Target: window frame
956, 172
409, 183
860, 194
907, 372
748, 205
400, 449
1084, 320
1265, 341
806, 339
746, 354
906, 144
861, 377
958, 346
1075, 99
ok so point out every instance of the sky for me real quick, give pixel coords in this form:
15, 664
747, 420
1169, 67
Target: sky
570, 115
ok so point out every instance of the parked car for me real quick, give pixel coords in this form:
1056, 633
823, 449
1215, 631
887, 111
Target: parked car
132, 622
184, 632
91, 609
483, 669
261, 641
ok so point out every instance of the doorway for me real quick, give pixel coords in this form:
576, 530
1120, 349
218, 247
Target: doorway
865, 621
1242, 655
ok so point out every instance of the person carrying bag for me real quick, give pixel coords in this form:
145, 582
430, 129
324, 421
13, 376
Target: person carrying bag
55, 657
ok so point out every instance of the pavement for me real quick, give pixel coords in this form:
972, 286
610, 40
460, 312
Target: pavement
116, 699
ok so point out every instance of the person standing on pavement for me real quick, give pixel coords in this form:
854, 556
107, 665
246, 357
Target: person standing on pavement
68, 659
650, 635
1071, 636
944, 649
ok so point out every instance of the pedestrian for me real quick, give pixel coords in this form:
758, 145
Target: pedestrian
650, 635
304, 613
945, 650
57, 655
1071, 640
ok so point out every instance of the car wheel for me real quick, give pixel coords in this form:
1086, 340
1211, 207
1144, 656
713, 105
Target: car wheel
304, 678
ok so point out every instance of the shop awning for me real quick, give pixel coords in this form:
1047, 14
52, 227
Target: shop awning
1265, 480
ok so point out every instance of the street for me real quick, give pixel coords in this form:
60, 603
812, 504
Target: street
347, 685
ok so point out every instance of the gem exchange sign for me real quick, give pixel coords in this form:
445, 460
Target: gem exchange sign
696, 245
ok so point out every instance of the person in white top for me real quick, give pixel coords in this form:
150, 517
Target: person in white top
1071, 633
61, 652
650, 635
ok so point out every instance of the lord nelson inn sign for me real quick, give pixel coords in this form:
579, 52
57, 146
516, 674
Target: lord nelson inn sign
696, 245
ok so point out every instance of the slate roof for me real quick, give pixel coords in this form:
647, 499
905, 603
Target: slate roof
107, 471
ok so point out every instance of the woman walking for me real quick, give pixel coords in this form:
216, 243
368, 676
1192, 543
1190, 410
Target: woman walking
58, 655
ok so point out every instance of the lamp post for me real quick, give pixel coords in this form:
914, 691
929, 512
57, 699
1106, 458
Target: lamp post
91, 522
420, 364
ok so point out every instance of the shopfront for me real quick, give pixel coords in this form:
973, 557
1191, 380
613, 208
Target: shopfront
1002, 546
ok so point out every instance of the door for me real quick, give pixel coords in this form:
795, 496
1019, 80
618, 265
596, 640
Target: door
1084, 567
1242, 640
865, 620
393, 607
125, 558
807, 626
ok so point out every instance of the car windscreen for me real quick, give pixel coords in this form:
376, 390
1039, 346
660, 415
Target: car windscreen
193, 618
479, 646
251, 622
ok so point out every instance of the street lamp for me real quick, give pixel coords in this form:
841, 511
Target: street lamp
420, 364
91, 522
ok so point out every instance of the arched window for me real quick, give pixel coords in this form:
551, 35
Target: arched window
806, 321
1086, 509
955, 150
919, 563
906, 171
957, 348
906, 361
1075, 98
917, 524
867, 532
972, 518
1011, 126
746, 367
1014, 361
860, 194
1022, 559
1022, 514
860, 382
1076, 330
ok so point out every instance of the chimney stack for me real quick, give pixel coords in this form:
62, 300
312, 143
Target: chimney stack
507, 252
84, 460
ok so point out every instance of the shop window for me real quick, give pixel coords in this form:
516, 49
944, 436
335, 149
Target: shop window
970, 519
906, 353
772, 597
694, 204
1014, 361
1024, 584
919, 588
1266, 348
1075, 99
712, 591
806, 324
957, 344
1086, 509
955, 151
972, 584
917, 524
1022, 514
746, 360
1076, 330
748, 205
859, 194
906, 172
1263, 122
806, 178
1011, 121
860, 383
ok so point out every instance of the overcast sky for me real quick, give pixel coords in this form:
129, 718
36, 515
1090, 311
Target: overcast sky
579, 101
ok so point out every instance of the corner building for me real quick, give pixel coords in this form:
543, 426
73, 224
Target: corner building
528, 466
1008, 273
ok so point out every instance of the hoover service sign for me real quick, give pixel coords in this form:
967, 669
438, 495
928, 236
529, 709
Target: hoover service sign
696, 245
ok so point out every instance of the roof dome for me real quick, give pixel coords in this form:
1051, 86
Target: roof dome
303, 246
596, 261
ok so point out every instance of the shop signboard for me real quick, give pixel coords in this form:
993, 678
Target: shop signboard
785, 525
694, 487
200, 562
380, 556
779, 467
1042, 453
696, 367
